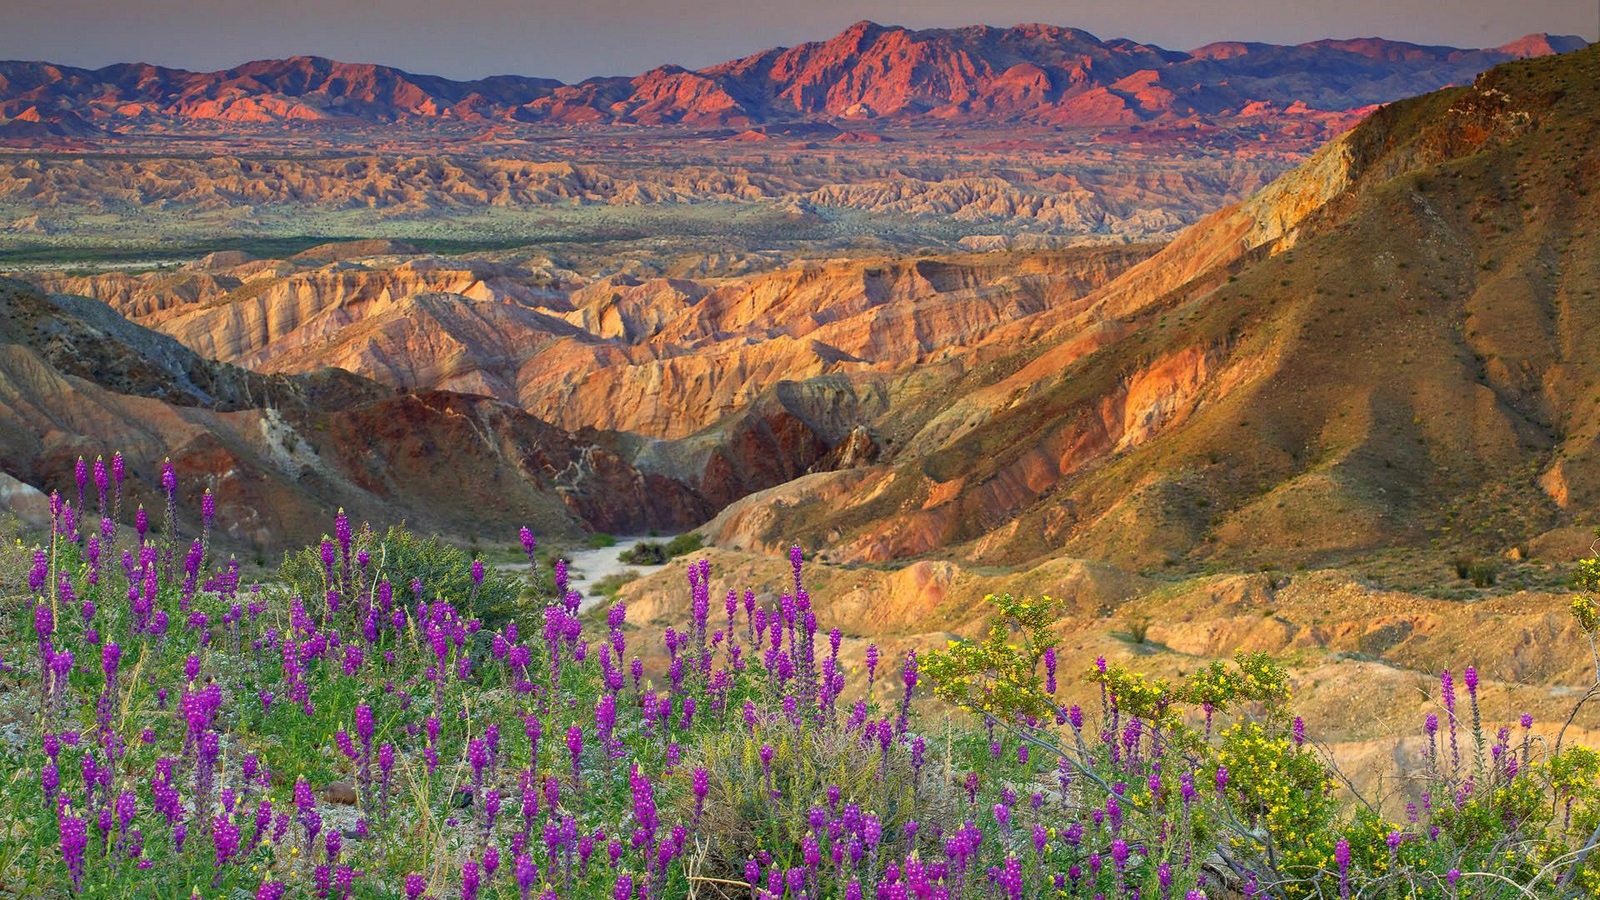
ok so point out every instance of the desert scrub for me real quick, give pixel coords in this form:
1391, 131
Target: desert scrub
610, 585
655, 553
1498, 808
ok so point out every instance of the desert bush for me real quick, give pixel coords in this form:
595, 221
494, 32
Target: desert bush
645, 553
655, 553
610, 585
685, 544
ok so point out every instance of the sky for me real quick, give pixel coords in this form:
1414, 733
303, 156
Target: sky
575, 39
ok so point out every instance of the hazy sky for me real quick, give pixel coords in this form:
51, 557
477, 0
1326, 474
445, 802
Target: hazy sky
574, 39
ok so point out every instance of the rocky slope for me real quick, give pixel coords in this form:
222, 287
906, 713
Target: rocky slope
282, 452
730, 384
1385, 348
1040, 73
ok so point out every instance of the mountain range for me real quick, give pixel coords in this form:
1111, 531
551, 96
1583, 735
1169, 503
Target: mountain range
1039, 74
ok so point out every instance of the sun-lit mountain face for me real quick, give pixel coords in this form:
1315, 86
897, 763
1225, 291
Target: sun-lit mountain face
1035, 73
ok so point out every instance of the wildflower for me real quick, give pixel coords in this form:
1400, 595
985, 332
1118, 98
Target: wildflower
702, 785
225, 840
526, 874
74, 840
1341, 856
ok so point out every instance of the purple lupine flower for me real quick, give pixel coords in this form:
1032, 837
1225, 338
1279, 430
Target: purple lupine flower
477, 572
102, 484
415, 885
50, 780
39, 573
526, 874
225, 840
1341, 855
44, 622
74, 840
1448, 695
796, 558
575, 748
702, 786
365, 725
1222, 779
1299, 731
469, 880
1050, 670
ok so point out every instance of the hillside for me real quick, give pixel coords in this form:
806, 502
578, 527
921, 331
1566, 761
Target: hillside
286, 450
1385, 348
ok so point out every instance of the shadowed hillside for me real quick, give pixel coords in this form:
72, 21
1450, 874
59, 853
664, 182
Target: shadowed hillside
285, 450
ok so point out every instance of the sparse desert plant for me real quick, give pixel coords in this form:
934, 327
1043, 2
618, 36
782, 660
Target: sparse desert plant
645, 553
685, 544
609, 585
1139, 630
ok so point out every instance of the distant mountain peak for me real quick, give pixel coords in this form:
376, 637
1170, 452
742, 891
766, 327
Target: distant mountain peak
1034, 72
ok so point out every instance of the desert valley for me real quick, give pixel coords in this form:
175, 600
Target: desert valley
1272, 366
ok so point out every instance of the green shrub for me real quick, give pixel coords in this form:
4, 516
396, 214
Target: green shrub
686, 543
402, 557
645, 553
611, 585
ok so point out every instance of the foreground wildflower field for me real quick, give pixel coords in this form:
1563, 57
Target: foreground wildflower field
387, 717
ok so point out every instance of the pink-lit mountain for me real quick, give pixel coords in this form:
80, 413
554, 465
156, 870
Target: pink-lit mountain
1029, 73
